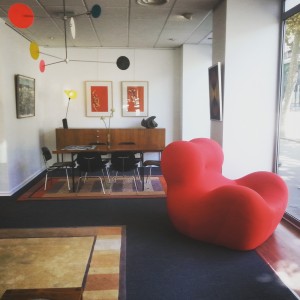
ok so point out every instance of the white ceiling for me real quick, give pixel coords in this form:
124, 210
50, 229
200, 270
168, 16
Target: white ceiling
122, 23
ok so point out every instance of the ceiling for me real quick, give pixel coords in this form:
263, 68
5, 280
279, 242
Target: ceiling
122, 23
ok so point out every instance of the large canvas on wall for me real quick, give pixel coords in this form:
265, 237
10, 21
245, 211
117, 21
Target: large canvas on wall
215, 92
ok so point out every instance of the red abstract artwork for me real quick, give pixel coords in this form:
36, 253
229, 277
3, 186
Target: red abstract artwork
99, 98
135, 98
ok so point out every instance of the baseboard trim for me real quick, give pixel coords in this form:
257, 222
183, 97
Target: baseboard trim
20, 185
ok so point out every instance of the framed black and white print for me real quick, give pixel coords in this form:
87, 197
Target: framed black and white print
25, 96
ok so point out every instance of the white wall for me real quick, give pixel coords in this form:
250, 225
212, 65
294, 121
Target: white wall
218, 55
159, 67
250, 92
19, 138
196, 59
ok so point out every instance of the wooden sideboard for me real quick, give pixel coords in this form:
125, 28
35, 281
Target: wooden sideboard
143, 137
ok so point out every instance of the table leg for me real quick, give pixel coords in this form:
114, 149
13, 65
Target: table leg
73, 172
142, 173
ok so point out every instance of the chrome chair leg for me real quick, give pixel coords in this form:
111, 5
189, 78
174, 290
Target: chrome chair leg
46, 180
136, 190
149, 175
68, 179
78, 183
102, 185
107, 175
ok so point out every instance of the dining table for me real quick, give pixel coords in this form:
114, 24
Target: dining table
105, 149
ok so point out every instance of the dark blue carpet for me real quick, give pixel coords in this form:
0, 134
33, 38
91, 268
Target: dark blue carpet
161, 264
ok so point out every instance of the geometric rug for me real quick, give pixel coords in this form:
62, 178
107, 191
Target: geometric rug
63, 263
121, 187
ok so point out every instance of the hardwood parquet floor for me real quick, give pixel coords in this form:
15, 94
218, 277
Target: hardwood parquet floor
282, 252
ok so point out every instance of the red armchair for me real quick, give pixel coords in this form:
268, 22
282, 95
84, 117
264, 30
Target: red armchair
203, 204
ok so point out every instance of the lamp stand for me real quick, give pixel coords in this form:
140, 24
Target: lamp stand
65, 123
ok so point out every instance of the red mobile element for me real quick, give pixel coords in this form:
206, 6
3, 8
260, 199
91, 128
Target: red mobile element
21, 15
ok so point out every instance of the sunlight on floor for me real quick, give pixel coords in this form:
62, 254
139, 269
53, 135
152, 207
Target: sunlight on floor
289, 273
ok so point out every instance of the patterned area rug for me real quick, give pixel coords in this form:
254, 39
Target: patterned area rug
90, 260
121, 187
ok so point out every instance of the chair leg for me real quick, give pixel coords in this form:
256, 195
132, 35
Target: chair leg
85, 175
138, 175
138, 172
135, 184
67, 179
102, 185
149, 175
114, 179
46, 180
77, 188
110, 187
107, 175
116, 175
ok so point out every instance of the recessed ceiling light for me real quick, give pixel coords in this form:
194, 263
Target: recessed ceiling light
188, 16
151, 2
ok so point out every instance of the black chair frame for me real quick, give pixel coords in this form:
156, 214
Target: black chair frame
47, 156
124, 161
91, 162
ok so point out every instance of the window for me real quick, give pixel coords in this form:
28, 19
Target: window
289, 128
289, 4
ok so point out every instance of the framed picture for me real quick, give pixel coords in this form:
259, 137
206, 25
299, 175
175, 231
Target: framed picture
99, 100
134, 98
215, 92
25, 96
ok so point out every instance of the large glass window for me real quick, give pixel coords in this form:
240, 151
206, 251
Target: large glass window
289, 134
290, 4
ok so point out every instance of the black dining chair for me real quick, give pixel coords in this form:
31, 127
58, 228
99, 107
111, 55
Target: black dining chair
105, 156
91, 163
149, 164
47, 156
124, 161
138, 160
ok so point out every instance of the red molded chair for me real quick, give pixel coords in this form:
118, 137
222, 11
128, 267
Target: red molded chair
203, 204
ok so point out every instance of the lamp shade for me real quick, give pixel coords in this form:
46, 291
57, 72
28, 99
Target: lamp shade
71, 94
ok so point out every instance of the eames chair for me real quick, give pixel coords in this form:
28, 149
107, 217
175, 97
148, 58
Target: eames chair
105, 156
124, 161
203, 204
149, 164
91, 163
47, 156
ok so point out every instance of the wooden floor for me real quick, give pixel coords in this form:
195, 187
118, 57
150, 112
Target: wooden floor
282, 252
